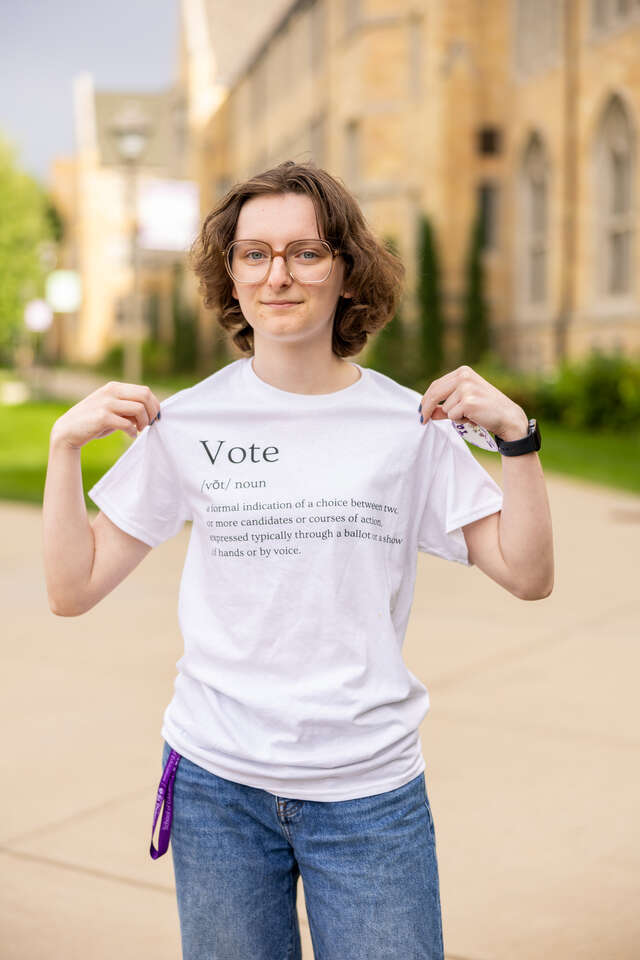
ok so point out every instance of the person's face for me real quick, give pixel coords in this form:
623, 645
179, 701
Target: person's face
307, 308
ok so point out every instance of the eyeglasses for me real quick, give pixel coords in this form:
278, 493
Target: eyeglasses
308, 261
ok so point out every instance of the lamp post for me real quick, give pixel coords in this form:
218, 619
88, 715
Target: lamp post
131, 131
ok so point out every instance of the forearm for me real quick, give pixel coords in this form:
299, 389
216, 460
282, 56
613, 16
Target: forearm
67, 534
525, 530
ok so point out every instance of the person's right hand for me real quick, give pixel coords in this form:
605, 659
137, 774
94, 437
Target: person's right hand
114, 406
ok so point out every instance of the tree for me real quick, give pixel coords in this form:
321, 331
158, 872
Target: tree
185, 326
388, 350
430, 320
475, 326
26, 223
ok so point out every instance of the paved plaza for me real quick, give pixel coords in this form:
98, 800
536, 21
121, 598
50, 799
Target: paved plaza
531, 746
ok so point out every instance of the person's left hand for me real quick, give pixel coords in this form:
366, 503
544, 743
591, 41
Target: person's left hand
465, 396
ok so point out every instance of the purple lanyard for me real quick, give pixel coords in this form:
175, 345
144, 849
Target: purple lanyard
165, 792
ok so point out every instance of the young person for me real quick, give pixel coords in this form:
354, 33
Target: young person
291, 744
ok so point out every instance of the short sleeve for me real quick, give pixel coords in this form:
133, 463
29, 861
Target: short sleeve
141, 493
461, 491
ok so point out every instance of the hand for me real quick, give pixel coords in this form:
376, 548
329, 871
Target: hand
465, 396
124, 406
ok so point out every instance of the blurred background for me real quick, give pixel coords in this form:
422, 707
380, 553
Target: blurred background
494, 144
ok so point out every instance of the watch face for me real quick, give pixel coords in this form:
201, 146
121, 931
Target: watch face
474, 433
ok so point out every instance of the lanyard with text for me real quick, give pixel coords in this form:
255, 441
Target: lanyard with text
165, 793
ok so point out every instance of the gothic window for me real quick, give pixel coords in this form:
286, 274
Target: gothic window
613, 191
535, 196
489, 140
258, 89
538, 27
599, 13
353, 152
317, 30
352, 15
415, 56
607, 15
318, 135
488, 206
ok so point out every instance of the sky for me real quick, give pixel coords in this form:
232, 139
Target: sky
124, 44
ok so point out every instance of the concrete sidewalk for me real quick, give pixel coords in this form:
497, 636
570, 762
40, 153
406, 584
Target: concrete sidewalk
531, 745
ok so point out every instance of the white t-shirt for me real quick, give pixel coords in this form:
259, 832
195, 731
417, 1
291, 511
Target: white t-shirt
307, 514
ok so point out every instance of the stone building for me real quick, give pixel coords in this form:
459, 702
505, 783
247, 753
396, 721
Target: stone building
90, 192
527, 110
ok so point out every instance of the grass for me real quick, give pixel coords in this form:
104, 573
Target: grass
24, 451
611, 458
607, 457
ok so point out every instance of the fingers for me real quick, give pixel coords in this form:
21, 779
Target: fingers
440, 392
135, 400
436, 395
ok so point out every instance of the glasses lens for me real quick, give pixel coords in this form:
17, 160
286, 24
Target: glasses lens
309, 261
249, 260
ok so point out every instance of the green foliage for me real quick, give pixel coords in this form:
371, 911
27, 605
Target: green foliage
430, 352
519, 386
600, 391
157, 360
112, 363
25, 223
160, 359
388, 349
54, 221
475, 321
603, 390
185, 328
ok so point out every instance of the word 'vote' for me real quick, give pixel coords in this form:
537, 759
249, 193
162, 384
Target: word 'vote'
251, 454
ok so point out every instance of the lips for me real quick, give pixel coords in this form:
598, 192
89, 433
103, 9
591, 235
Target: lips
280, 303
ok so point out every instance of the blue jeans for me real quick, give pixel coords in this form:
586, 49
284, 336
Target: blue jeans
368, 867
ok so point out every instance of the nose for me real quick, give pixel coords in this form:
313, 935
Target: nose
278, 271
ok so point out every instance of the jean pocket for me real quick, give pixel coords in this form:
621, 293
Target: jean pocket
426, 803
428, 806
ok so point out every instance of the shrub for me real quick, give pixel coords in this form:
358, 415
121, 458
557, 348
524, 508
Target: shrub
602, 390
597, 392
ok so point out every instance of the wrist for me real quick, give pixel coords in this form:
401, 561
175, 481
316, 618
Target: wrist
58, 442
516, 429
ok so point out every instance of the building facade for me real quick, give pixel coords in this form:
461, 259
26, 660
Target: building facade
91, 193
526, 110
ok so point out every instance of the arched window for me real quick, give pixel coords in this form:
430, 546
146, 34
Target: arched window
538, 35
535, 222
613, 195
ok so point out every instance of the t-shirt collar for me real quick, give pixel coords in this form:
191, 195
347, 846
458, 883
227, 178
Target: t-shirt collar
286, 398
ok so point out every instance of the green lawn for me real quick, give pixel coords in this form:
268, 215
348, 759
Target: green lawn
609, 458
24, 450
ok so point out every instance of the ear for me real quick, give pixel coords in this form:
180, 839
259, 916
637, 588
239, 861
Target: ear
234, 293
346, 295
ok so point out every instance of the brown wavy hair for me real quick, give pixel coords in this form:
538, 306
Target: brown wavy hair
373, 273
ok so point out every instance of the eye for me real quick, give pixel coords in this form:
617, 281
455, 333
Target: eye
303, 254
249, 255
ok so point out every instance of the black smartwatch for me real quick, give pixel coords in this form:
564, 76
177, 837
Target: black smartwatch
528, 444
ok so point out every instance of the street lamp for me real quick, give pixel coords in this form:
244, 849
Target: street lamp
131, 130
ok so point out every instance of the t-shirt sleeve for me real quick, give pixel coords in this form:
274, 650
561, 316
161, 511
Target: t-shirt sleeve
141, 493
461, 491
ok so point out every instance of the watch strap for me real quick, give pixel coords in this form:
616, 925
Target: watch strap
528, 444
